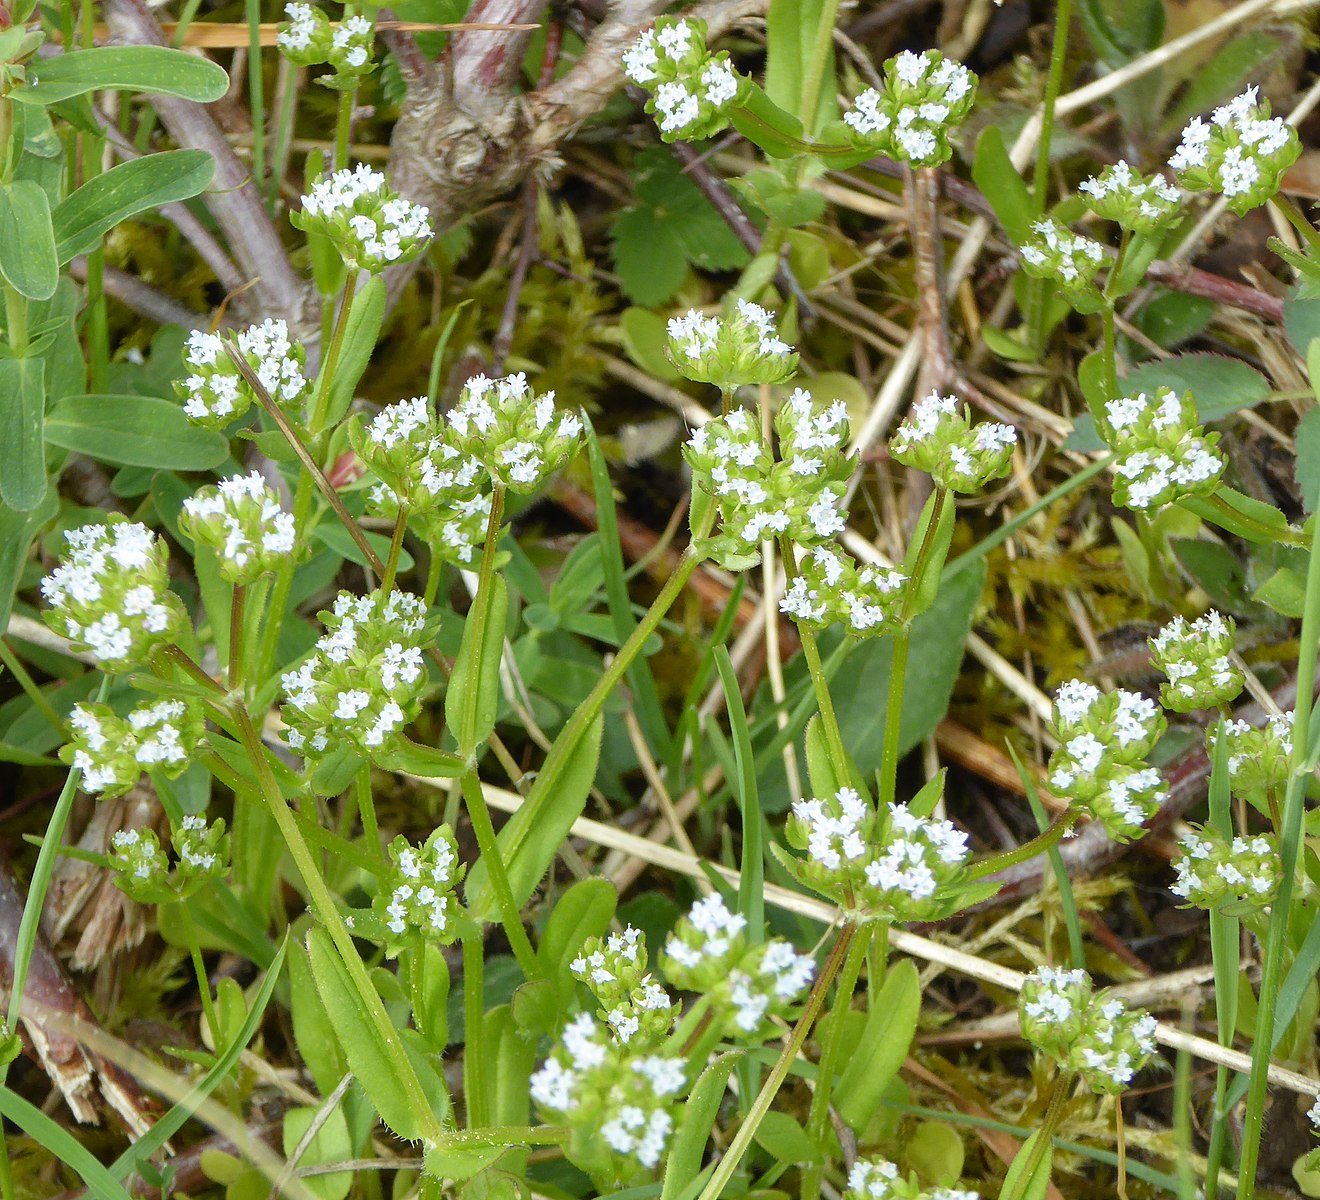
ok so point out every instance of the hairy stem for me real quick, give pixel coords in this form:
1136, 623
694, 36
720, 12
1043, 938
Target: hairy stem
467, 732
321, 406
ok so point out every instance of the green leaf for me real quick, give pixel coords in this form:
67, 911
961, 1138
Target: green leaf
936, 543
1242, 57
368, 1056
62, 1145
791, 31
531, 837
751, 866
1017, 1183
22, 413
1250, 519
157, 70
134, 431
314, 1035
1308, 458
765, 124
821, 771
84, 217
783, 1137
428, 762
471, 717
1002, 185
886, 1038
1285, 592
644, 338
331, 1143
27, 242
1219, 385
365, 318
332, 533
699, 1113
935, 1152
584, 911
1006, 346
1301, 321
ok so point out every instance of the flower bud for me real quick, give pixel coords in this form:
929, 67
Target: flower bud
113, 751
957, 455
1135, 202
370, 225
416, 899
1237, 876
363, 682
1056, 253
1195, 657
1053, 1007
1164, 455
215, 394
925, 98
240, 518
519, 437
691, 90
110, 594
740, 348
1241, 154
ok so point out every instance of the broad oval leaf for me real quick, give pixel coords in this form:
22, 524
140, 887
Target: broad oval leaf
27, 242
84, 217
134, 431
472, 699
22, 410
886, 1038
157, 70
581, 912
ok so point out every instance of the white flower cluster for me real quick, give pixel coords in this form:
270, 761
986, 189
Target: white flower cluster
635, 1007
1242, 153
829, 587
363, 682
759, 498
1069, 259
1195, 656
879, 1179
708, 951
895, 866
112, 751
924, 98
308, 38
1164, 455
1313, 1115
201, 847
110, 594
690, 89
1104, 739
416, 896
370, 225
1216, 872
422, 470
137, 856
739, 348
1258, 758
620, 1105
519, 437
240, 518
940, 439
143, 869
215, 394
1135, 202
1088, 1033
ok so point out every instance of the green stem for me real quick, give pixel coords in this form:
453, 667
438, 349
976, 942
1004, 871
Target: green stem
471, 714
687, 1028
818, 1116
15, 667
396, 547
321, 405
343, 126
279, 592
1297, 220
821, 52
199, 969
1053, 1109
770, 1089
16, 321
474, 1050
889, 754
1038, 845
181, 659
1290, 839
510, 918
1110, 355
284, 120
366, 806
1214, 1156
237, 609
323, 904
256, 93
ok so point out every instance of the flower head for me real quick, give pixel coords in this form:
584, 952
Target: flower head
1238, 875
520, 438
636, 1008
925, 97
1241, 153
215, 394
110, 594
363, 682
304, 38
741, 347
1069, 259
1164, 455
370, 225
690, 89
112, 751
240, 518
1136, 202
940, 439
879, 1179
143, 870
1257, 756
416, 898
829, 587
1194, 656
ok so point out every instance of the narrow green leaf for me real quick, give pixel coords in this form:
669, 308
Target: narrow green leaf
1017, 1183
531, 838
584, 911
751, 889
784, 1138
761, 121
62, 1145
820, 768
428, 762
84, 217
884, 1044
471, 717
27, 241
1002, 185
699, 1113
364, 321
1251, 519
134, 431
22, 414
157, 70
1308, 458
